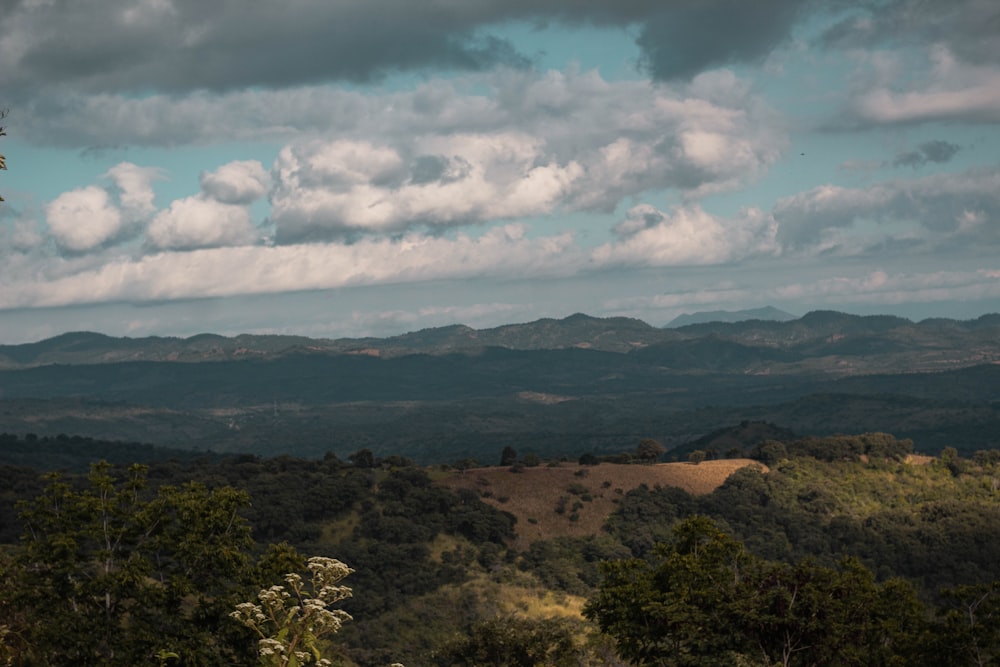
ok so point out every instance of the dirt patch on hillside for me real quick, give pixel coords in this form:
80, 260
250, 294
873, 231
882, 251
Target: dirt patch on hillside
574, 500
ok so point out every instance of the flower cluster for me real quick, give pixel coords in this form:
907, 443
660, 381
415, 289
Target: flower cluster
290, 619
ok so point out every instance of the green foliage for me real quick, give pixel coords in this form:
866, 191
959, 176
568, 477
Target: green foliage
969, 626
697, 456
649, 450
109, 575
571, 564
704, 600
645, 516
510, 641
431, 560
870, 446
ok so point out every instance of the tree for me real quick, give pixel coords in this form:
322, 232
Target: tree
697, 456
649, 450
672, 610
807, 614
704, 600
113, 575
508, 456
969, 626
509, 641
363, 458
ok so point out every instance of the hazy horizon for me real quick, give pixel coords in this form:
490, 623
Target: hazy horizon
389, 332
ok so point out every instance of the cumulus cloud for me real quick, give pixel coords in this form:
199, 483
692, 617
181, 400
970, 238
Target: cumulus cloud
686, 236
134, 186
949, 90
83, 219
201, 222
240, 182
218, 216
325, 188
22, 236
87, 218
537, 144
931, 212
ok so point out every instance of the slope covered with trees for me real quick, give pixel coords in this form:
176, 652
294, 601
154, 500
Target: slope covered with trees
129, 563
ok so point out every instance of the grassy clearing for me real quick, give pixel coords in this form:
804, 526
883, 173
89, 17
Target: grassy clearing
573, 500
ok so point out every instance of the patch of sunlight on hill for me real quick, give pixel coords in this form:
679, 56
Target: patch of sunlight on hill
861, 490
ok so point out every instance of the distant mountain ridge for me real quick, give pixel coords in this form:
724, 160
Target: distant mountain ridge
560, 386
747, 343
767, 313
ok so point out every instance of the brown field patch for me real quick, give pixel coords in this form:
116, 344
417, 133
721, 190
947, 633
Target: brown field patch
591, 493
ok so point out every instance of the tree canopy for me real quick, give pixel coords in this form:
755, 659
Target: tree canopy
112, 575
704, 600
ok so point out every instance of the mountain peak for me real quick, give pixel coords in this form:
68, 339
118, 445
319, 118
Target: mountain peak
767, 313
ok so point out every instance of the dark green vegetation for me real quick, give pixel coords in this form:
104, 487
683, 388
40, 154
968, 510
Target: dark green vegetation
843, 554
551, 387
703, 599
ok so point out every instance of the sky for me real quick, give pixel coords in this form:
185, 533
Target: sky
340, 168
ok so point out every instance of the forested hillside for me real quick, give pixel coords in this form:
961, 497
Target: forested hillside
554, 387
441, 578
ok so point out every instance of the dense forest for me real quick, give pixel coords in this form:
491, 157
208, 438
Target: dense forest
553, 387
843, 550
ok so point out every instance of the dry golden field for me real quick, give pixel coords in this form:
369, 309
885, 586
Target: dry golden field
533, 494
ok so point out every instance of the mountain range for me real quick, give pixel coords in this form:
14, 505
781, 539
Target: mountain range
553, 386
818, 333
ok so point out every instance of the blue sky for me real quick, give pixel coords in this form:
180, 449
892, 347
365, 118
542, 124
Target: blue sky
347, 168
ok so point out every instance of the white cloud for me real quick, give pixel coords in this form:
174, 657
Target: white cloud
951, 90
135, 191
228, 271
200, 222
538, 145
22, 236
686, 236
238, 182
325, 188
522, 142
83, 219
933, 211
